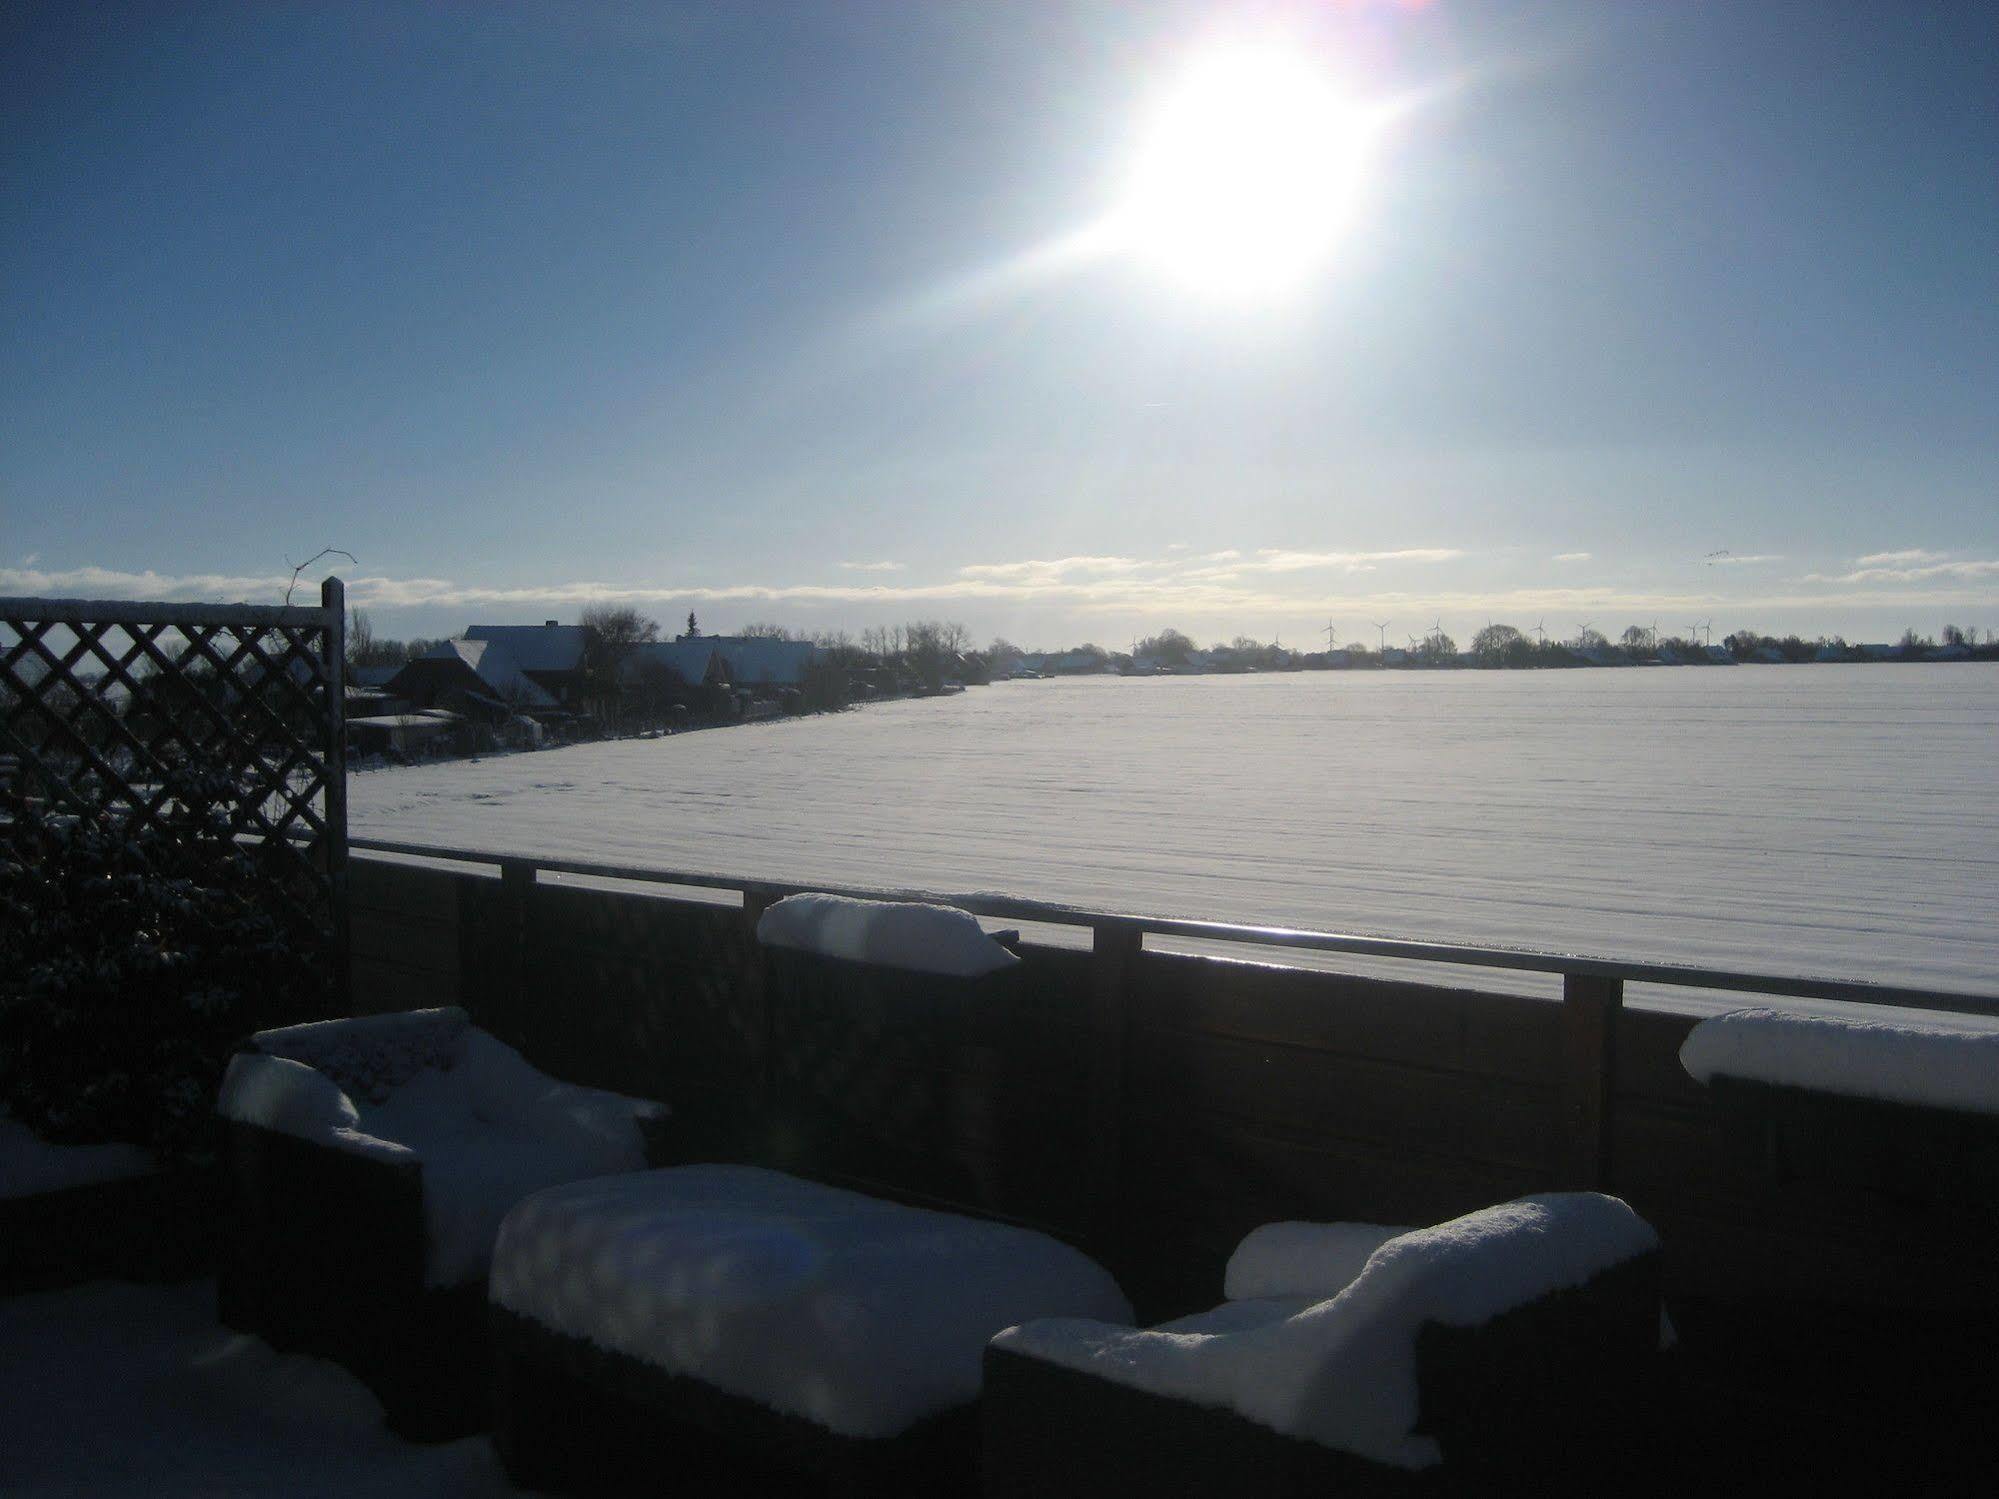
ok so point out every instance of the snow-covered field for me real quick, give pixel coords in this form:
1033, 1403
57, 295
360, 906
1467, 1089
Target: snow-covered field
1823, 820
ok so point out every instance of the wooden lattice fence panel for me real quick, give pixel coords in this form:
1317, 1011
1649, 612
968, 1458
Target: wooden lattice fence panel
130, 714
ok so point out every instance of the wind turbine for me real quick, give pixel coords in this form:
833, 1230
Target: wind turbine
1582, 631
1382, 626
1540, 630
1332, 635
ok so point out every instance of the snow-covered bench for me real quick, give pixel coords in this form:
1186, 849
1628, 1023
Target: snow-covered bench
1346, 1354
710, 1321
370, 1163
1907, 1108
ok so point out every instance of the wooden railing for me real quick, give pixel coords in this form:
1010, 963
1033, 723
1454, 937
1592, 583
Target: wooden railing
1137, 1095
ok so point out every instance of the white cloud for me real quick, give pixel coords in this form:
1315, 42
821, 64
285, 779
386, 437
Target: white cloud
1053, 570
1273, 583
1572, 556
1911, 557
1966, 571
875, 567
1734, 561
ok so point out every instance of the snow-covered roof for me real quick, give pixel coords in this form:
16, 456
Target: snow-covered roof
686, 659
753, 661
438, 722
537, 647
497, 667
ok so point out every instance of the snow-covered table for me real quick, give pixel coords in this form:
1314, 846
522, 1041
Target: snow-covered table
1497, 1345
762, 1320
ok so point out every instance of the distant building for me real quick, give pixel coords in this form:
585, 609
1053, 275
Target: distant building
552, 655
478, 678
732, 660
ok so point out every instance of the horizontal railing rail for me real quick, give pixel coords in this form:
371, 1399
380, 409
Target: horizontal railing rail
126, 612
1574, 969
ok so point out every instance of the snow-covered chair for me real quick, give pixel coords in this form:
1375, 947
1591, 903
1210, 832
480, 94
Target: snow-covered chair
370, 1162
723, 1328
1906, 1109
1348, 1355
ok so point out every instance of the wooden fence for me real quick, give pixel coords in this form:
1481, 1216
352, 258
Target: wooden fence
133, 714
1151, 1105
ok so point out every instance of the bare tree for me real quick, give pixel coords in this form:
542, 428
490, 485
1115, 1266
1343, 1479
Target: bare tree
615, 631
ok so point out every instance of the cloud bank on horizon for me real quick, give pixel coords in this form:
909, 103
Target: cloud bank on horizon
1201, 591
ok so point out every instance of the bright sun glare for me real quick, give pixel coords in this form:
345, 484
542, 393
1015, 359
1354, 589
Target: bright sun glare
1246, 173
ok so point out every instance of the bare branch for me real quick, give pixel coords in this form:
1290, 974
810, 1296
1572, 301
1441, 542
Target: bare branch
299, 567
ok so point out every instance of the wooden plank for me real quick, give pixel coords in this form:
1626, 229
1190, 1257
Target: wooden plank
1420, 1024
1590, 1007
403, 889
428, 945
1184, 1167
381, 986
1648, 1058
1301, 1094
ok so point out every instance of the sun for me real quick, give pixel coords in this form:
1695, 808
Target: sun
1246, 173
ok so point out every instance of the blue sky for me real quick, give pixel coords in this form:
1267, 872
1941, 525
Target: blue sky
776, 312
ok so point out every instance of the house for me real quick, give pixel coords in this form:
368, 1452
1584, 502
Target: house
553, 656
478, 678
759, 661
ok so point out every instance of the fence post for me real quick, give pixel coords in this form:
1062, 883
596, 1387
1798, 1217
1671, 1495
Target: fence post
517, 877
333, 599
1114, 952
753, 991
1591, 1005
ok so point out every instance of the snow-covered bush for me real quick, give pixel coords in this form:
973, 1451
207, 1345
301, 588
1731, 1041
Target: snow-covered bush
131, 959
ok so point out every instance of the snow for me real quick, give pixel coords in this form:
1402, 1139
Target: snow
861, 1315
134, 1392
30, 1165
892, 934
1937, 1065
1342, 1371
1302, 1259
1795, 819
487, 1128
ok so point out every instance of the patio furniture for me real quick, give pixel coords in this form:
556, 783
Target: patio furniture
1907, 1110
370, 1162
1503, 1347
887, 1024
730, 1323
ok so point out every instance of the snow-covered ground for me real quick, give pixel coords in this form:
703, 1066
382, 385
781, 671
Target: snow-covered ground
113, 1389
30, 1165
1823, 820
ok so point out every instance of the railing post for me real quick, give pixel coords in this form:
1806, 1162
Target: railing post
1590, 1008
517, 878
1114, 953
333, 599
753, 987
